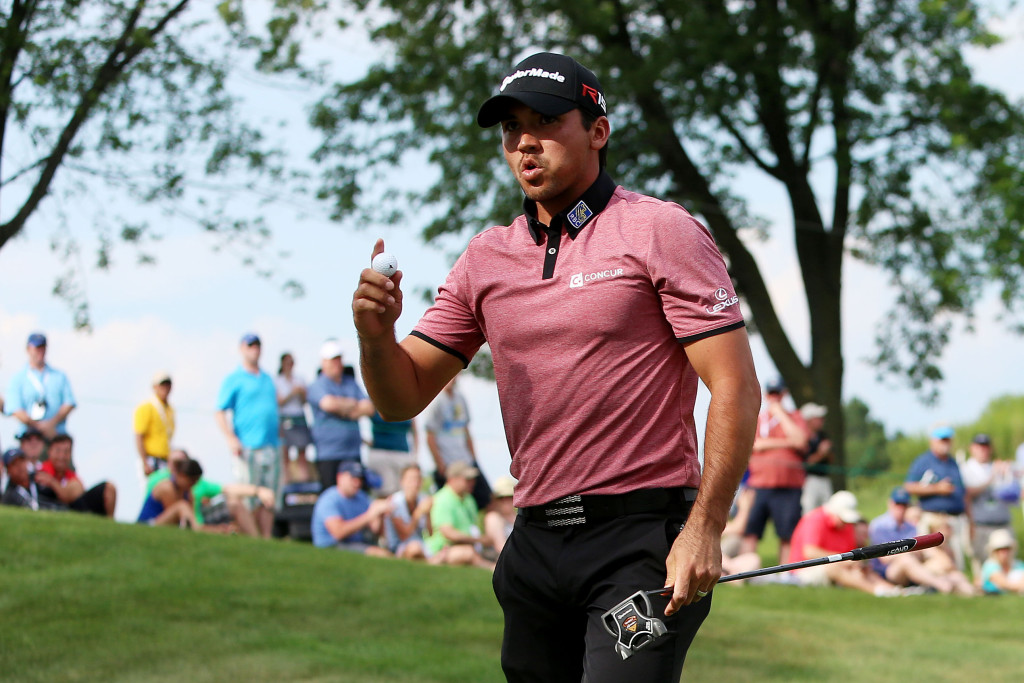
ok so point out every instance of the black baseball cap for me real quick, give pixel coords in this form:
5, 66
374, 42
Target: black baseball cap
982, 439
549, 83
12, 454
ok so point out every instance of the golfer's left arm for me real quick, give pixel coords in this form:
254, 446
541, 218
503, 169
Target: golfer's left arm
726, 367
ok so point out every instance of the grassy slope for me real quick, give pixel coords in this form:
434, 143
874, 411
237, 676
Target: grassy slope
82, 599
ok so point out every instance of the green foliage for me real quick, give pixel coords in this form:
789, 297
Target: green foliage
134, 99
866, 443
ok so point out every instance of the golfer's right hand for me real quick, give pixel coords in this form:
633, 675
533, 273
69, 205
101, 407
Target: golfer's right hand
377, 302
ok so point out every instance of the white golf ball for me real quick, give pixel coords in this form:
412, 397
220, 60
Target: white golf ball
386, 264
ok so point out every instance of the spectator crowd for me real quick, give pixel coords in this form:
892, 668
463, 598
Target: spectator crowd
371, 496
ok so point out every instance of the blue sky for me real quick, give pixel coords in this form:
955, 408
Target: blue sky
186, 315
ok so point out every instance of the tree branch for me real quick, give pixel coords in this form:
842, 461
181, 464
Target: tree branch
13, 41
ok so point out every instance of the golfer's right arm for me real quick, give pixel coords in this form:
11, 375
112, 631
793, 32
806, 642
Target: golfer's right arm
401, 378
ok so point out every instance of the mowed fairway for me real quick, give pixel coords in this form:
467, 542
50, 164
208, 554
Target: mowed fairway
83, 599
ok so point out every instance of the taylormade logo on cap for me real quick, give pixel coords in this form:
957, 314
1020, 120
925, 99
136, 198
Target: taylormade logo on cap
537, 73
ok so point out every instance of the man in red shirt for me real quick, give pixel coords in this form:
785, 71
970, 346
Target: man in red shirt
58, 481
829, 530
601, 307
776, 471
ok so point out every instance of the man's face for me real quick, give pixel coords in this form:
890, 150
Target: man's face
941, 447
553, 158
163, 391
17, 471
349, 484
251, 353
182, 481
897, 511
60, 456
981, 452
332, 367
36, 355
33, 445
461, 485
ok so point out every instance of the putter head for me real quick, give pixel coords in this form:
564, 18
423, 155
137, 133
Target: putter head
632, 625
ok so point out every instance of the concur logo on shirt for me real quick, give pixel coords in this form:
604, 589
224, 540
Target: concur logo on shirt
579, 279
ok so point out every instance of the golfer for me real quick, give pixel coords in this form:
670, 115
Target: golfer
602, 307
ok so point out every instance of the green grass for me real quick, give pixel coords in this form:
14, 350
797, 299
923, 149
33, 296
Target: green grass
83, 599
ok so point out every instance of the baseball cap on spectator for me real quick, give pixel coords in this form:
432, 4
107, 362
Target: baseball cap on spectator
549, 83
37, 339
331, 349
504, 487
843, 505
352, 467
982, 439
12, 454
462, 469
30, 432
900, 496
160, 377
943, 432
809, 411
249, 339
776, 386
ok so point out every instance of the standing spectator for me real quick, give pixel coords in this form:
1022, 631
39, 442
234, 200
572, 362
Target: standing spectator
154, 425
1002, 572
34, 445
930, 568
818, 460
449, 440
830, 530
338, 402
252, 429
500, 516
389, 453
21, 490
986, 511
57, 480
454, 516
776, 471
170, 502
602, 308
39, 396
406, 527
343, 514
291, 401
934, 478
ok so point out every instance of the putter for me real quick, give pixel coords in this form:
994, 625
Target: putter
634, 626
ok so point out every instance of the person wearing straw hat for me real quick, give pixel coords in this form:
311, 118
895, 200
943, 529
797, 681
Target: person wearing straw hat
1003, 571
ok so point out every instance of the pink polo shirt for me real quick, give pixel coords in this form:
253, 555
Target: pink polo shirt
595, 387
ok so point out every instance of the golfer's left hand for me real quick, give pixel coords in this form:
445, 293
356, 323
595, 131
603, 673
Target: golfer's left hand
694, 564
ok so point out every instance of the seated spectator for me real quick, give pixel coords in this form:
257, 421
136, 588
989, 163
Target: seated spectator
929, 568
219, 507
343, 514
57, 481
409, 520
170, 501
829, 530
1002, 571
501, 514
21, 490
33, 443
454, 516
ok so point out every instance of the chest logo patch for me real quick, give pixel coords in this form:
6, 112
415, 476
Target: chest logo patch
579, 215
580, 279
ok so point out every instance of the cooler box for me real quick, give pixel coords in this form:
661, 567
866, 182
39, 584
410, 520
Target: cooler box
296, 512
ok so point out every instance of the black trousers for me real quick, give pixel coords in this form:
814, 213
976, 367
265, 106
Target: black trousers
554, 584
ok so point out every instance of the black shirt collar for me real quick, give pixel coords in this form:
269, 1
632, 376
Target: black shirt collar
577, 215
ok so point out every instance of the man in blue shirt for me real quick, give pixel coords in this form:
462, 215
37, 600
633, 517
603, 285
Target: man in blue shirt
39, 396
337, 402
934, 478
344, 513
249, 395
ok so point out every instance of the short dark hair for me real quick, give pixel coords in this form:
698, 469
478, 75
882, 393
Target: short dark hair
588, 119
189, 468
62, 438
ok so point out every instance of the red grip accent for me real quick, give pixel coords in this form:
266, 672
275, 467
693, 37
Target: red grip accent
929, 540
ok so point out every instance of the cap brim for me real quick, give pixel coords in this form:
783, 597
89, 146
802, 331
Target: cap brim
494, 110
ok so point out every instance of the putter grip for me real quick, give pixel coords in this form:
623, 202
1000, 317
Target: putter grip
897, 547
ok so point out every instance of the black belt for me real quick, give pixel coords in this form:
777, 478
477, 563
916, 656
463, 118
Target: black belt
576, 510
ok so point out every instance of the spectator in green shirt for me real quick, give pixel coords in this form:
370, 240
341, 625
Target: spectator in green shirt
455, 519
